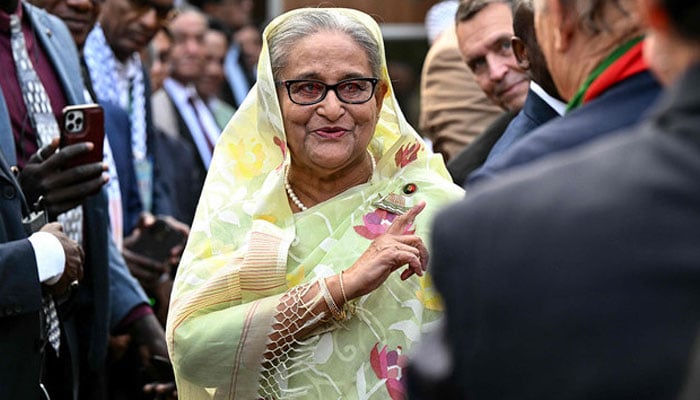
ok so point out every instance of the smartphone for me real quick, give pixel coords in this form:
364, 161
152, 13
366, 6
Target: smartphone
84, 123
156, 241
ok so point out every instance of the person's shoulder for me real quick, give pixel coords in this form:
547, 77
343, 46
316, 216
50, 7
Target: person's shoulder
606, 171
53, 24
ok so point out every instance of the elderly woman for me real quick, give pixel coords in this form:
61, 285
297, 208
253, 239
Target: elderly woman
303, 275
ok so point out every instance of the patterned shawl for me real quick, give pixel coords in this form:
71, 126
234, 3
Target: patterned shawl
247, 250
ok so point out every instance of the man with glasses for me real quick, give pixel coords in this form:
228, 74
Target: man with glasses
124, 28
120, 82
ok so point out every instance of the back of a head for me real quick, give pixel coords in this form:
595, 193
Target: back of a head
469, 8
597, 17
524, 29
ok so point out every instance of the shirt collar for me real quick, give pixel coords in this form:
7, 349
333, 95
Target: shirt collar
5, 17
558, 105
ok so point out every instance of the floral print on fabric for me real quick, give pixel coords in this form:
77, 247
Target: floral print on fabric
389, 365
249, 156
407, 154
376, 223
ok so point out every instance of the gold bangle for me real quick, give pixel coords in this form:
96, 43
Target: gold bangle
342, 288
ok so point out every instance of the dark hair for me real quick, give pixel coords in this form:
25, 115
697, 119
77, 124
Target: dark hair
685, 17
469, 8
523, 21
216, 25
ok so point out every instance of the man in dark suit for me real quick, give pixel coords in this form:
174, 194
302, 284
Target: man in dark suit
597, 66
576, 277
47, 260
183, 114
108, 298
542, 103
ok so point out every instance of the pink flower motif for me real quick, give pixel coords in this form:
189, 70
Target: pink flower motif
389, 365
407, 154
376, 223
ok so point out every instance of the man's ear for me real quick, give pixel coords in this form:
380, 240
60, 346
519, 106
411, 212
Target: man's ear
564, 25
520, 52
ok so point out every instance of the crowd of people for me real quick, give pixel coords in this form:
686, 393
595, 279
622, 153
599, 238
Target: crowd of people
265, 221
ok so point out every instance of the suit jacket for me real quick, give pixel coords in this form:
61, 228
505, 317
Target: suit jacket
118, 129
454, 109
85, 326
474, 155
20, 297
621, 106
577, 277
535, 112
180, 157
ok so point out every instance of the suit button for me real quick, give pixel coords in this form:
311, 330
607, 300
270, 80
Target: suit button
9, 192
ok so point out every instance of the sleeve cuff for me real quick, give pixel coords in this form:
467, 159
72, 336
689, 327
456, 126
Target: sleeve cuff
50, 257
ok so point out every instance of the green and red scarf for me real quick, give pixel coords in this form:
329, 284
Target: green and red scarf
622, 63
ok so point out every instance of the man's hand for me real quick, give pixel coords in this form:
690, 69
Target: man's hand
46, 182
149, 272
73, 270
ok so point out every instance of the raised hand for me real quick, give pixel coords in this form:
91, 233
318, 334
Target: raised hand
47, 182
386, 254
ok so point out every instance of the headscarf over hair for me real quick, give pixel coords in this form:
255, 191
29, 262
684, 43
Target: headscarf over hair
248, 255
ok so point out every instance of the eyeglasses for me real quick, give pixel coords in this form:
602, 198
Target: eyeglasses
306, 92
164, 13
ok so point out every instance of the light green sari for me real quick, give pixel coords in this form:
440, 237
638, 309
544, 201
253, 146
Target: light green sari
248, 254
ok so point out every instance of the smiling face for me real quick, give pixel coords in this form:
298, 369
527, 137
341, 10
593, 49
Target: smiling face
485, 43
330, 136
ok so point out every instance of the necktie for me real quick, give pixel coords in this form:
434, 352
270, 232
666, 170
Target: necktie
41, 115
192, 100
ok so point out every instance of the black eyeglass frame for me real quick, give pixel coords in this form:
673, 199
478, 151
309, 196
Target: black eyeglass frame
288, 84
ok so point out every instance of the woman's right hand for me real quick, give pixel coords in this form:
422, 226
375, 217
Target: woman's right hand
386, 254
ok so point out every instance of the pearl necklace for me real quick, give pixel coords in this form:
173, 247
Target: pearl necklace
295, 199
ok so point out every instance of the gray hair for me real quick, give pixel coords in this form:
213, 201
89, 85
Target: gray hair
592, 15
282, 38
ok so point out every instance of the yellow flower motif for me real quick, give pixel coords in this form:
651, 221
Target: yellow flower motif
249, 156
427, 294
296, 277
269, 218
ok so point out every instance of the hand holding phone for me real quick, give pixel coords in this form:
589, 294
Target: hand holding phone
83, 123
157, 240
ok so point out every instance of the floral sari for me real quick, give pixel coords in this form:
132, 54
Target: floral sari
247, 249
